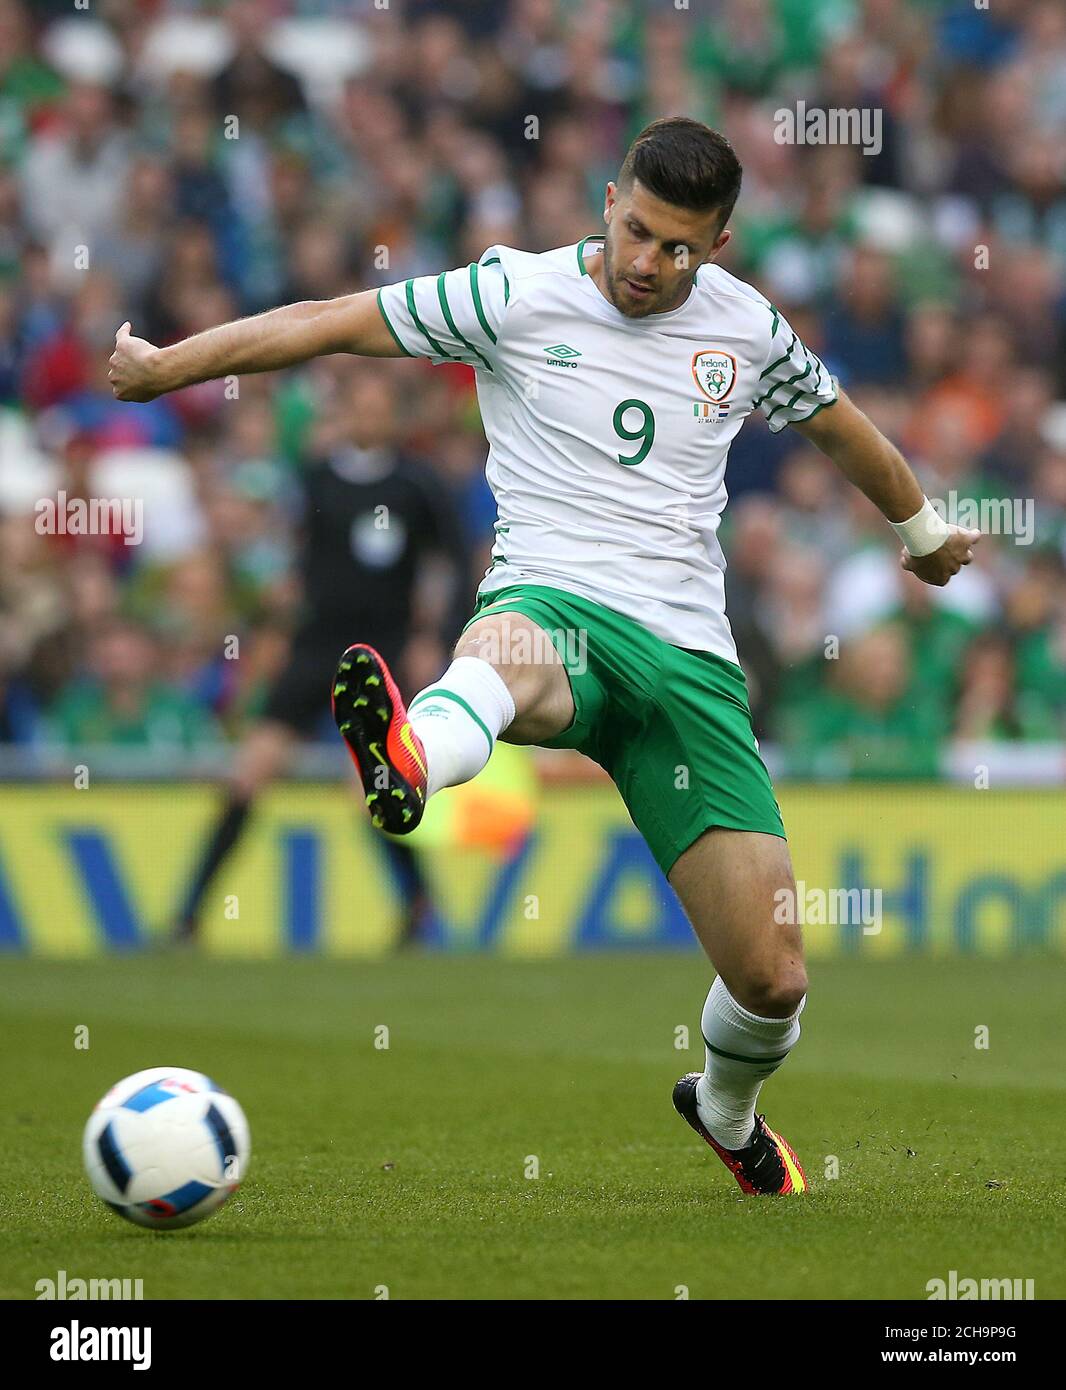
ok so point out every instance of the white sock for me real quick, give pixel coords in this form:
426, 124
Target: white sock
459, 718
742, 1051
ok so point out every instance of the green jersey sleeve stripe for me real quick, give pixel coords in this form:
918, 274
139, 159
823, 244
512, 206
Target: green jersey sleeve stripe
442, 295
786, 405
388, 325
774, 365
777, 385
495, 260
412, 309
478, 306
820, 406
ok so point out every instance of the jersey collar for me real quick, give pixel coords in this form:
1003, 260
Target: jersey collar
582, 267
616, 315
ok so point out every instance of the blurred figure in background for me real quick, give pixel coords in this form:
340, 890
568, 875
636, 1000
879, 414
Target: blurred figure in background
873, 724
382, 557
122, 703
408, 146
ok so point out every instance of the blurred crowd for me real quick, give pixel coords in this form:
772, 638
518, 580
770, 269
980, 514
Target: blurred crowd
177, 164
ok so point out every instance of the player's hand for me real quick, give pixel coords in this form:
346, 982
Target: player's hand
131, 369
939, 566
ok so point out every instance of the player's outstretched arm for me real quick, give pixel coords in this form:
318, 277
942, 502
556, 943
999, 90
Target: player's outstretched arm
934, 550
279, 338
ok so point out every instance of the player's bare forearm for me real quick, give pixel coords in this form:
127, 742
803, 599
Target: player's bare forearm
865, 457
267, 342
873, 463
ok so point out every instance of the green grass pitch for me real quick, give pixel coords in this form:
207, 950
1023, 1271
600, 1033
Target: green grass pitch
406, 1167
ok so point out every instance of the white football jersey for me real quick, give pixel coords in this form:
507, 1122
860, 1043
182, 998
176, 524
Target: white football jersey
608, 435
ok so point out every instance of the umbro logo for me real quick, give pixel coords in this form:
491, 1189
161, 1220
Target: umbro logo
560, 354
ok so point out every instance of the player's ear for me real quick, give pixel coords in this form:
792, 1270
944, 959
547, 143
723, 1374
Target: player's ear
723, 240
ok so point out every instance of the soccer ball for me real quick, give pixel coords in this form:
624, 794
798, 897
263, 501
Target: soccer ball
166, 1147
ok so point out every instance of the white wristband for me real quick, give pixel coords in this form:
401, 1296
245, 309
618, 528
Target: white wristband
924, 532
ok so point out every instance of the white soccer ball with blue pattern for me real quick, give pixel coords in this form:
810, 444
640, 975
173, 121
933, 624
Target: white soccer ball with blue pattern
166, 1147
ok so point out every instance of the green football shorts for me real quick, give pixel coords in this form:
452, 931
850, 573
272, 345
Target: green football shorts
671, 726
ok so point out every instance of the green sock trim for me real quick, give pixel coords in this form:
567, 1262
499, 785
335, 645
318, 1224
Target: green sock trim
736, 1057
450, 695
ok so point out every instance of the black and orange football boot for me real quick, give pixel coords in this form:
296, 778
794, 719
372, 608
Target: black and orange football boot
387, 753
765, 1166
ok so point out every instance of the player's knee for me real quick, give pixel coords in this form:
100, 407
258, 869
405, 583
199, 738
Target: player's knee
776, 992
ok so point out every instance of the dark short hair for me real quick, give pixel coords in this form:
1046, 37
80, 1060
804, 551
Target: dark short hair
686, 163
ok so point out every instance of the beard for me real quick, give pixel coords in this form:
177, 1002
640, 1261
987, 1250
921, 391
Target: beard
625, 300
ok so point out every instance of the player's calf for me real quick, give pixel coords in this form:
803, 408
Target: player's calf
736, 887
